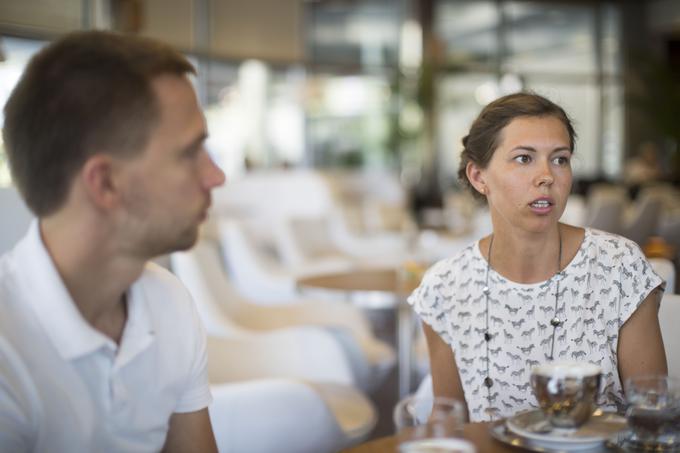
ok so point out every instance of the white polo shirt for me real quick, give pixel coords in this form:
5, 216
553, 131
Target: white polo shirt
66, 387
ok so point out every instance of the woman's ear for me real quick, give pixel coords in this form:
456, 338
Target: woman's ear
475, 175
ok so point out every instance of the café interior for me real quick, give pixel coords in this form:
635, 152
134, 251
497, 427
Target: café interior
338, 124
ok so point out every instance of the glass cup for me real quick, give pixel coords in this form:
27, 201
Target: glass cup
653, 412
427, 424
566, 391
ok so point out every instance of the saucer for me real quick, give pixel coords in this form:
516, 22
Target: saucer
442, 445
534, 427
501, 433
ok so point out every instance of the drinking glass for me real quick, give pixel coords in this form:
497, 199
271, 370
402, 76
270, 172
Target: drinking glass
430, 424
653, 412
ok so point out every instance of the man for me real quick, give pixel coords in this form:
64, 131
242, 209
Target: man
101, 350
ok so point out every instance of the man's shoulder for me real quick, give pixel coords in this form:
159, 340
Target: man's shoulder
156, 277
164, 294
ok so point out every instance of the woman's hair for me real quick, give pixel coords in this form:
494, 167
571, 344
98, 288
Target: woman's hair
485, 132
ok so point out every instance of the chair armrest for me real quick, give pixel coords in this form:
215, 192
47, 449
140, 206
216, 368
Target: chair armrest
273, 415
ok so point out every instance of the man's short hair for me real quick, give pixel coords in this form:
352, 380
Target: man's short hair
86, 93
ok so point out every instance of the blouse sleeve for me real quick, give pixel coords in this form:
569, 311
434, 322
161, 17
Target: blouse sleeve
427, 302
637, 280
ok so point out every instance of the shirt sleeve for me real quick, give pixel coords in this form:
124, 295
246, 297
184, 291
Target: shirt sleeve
637, 280
428, 303
197, 394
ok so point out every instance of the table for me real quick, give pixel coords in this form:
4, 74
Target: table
477, 433
375, 287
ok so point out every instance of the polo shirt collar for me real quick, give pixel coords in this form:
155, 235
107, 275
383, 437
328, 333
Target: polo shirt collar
139, 330
45, 292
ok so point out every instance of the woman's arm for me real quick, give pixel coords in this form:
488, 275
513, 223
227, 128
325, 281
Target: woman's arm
640, 349
445, 376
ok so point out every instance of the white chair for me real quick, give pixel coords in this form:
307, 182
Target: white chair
304, 355
605, 207
288, 416
221, 306
285, 202
666, 270
575, 212
14, 220
669, 319
643, 220
372, 201
256, 275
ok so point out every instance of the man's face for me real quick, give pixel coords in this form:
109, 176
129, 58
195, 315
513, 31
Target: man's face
166, 190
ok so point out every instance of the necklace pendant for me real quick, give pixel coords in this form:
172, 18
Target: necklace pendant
556, 322
487, 336
486, 290
488, 382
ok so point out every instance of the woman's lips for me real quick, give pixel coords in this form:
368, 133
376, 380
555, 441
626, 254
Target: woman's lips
542, 205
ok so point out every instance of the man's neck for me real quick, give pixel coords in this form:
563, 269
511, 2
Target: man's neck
95, 273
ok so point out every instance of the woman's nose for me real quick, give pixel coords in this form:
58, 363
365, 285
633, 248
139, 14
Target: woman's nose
545, 176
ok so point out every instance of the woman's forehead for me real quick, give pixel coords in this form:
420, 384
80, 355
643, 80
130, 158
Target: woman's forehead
541, 131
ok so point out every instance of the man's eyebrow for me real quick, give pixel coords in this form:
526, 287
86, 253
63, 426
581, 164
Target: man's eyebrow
196, 143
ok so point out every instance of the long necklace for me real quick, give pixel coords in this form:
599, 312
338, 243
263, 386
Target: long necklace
555, 322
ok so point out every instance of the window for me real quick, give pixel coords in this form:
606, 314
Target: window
567, 52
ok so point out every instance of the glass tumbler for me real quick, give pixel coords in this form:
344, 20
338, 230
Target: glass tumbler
653, 412
427, 424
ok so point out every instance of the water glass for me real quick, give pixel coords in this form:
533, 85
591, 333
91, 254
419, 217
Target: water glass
427, 424
653, 412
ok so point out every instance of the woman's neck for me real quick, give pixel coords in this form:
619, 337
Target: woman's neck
524, 257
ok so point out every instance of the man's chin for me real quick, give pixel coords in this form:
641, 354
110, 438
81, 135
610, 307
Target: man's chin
187, 240
184, 242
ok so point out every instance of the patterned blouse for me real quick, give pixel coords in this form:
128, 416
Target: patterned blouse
599, 290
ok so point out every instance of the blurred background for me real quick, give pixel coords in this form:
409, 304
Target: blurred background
339, 126
394, 84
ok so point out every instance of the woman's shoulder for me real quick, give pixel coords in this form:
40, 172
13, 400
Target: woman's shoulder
613, 245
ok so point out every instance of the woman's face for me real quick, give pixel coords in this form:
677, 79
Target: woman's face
528, 178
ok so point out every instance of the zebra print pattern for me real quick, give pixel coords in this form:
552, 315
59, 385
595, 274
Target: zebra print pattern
600, 289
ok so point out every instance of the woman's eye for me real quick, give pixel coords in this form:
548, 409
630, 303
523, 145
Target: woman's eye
523, 159
561, 160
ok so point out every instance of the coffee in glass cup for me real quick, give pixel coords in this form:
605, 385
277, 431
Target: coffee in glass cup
566, 391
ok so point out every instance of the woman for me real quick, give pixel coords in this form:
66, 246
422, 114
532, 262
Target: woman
535, 290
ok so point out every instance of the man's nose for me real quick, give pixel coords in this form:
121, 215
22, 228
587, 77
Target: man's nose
213, 176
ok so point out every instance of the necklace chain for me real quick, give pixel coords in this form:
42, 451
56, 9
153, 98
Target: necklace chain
555, 322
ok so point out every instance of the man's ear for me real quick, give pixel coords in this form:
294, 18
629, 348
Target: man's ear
476, 177
98, 177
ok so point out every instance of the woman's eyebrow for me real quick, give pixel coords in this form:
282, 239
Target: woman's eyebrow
533, 150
